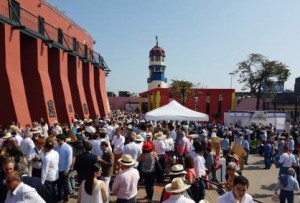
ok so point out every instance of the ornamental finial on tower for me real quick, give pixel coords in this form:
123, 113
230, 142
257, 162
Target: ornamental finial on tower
156, 40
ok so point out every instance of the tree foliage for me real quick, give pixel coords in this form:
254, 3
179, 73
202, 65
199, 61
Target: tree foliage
258, 73
181, 89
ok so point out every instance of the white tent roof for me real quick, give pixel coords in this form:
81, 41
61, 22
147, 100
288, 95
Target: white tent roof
175, 111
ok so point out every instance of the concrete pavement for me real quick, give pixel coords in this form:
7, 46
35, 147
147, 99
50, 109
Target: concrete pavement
262, 184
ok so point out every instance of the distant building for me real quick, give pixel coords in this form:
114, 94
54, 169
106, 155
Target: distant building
210, 101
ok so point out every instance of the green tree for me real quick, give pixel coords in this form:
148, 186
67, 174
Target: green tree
258, 73
181, 89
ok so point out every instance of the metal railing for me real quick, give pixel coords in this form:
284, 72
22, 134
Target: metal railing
23, 19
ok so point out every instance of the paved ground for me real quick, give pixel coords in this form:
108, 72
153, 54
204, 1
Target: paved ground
262, 183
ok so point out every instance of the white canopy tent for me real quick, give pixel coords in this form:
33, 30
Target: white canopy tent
175, 111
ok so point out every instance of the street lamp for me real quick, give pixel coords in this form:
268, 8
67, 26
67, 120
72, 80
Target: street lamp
231, 76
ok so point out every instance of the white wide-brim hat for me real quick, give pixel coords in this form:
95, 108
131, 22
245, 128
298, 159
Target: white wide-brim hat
177, 186
177, 169
126, 160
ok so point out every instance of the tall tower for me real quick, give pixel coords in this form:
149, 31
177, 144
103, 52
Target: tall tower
157, 68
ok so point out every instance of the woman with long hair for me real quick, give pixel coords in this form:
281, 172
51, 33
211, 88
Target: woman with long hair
91, 189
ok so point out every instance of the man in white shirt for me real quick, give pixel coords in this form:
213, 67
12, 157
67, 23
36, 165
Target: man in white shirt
26, 146
50, 171
199, 166
238, 193
118, 144
160, 149
19, 191
35, 157
133, 149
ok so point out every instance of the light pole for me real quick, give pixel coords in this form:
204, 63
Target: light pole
231, 76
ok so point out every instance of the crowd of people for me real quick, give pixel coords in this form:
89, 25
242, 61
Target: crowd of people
113, 155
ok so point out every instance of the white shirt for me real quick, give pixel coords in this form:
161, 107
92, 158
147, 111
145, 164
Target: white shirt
173, 135
96, 147
287, 160
26, 146
33, 153
199, 165
134, 150
19, 139
160, 146
229, 198
169, 144
50, 166
23, 194
180, 198
118, 144
90, 129
57, 128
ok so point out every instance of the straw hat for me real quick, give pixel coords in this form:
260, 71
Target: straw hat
139, 138
126, 160
13, 128
236, 157
7, 136
35, 131
204, 201
177, 186
177, 169
159, 136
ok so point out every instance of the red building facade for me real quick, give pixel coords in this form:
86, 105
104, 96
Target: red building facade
48, 68
213, 102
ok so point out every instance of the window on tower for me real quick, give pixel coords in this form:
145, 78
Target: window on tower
156, 58
152, 58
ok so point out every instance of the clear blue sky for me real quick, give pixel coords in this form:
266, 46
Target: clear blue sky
203, 39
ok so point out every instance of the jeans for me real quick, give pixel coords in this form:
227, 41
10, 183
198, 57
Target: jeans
62, 186
286, 195
50, 191
106, 179
71, 183
267, 160
149, 180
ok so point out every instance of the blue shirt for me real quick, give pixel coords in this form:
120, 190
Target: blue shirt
291, 183
65, 156
225, 144
246, 145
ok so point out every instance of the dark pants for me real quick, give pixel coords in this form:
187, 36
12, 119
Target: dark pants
149, 180
267, 160
286, 195
132, 200
36, 172
160, 176
50, 191
62, 187
202, 188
